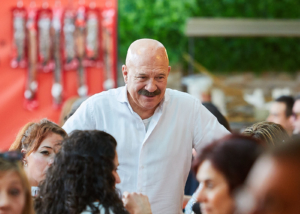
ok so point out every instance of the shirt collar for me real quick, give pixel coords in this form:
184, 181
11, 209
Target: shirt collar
122, 97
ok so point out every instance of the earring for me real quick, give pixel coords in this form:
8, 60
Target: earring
24, 163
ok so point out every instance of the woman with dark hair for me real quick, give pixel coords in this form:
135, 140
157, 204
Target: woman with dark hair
83, 176
222, 167
39, 142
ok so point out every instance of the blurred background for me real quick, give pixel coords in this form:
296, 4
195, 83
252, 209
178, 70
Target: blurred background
214, 54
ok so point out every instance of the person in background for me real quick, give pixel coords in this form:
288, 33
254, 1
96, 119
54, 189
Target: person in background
83, 176
156, 128
273, 186
281, 113
271, 134
221, 168
215, 111
39, 142
65, 110
15, 195
74, 107
296, 116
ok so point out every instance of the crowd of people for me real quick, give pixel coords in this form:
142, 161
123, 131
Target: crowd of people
131, 149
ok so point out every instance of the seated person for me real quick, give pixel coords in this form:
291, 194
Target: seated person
221, 168
39, 142
273, 184
83, 176
15, 194
269, 133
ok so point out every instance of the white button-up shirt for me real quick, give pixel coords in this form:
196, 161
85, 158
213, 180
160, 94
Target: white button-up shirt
157, 162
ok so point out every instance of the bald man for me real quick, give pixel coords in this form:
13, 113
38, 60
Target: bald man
156, 128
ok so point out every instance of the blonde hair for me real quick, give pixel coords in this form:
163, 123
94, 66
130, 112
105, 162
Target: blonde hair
17, 167
270, 133
32, 134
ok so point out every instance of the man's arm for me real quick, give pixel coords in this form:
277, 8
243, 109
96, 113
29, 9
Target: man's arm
136, 203
206, 127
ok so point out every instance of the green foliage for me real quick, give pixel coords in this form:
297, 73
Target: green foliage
165, 21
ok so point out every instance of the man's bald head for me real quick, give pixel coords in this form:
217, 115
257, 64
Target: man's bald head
146, 74
144, 51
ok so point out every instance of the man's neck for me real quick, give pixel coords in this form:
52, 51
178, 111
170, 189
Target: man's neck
144, 114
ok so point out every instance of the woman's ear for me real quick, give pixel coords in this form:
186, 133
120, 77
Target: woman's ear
23, 151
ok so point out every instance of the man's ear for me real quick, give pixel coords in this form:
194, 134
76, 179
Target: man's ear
169, 69
125, 73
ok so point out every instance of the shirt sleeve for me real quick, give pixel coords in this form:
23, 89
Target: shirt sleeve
206, 127
82, 119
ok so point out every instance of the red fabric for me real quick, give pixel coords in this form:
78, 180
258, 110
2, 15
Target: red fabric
13, 116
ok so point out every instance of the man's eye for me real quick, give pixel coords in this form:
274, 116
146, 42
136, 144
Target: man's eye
14, 192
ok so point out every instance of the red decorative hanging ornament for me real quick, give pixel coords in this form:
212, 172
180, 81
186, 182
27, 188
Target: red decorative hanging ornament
56, 34
69, 53
80, 32
19, 15
93, 37
30, 102
108, 16
44, 17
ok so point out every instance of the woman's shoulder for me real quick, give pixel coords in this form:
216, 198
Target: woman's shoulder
100, 207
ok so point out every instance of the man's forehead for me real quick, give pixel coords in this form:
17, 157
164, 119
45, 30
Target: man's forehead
147, 70
278, 107
296, 107
146, 51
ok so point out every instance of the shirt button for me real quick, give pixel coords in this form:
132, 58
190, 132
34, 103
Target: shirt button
142, 167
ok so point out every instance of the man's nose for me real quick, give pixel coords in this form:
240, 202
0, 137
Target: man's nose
151, 86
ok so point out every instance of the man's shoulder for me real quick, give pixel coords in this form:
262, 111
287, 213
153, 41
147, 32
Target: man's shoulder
111, 95
179, 96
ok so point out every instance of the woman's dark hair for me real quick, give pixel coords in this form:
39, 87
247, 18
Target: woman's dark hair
233, 156
80, 175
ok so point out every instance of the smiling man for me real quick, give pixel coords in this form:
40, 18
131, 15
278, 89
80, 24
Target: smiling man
155, 127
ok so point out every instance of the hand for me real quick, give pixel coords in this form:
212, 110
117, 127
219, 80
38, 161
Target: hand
136, 203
